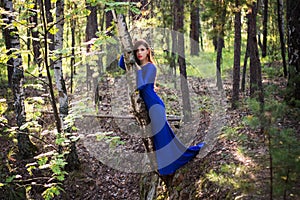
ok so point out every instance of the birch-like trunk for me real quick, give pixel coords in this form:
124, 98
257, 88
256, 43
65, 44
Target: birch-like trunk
72, 157
138, 107
12, 42
58, 72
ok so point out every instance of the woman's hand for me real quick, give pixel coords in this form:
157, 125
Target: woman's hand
137, 66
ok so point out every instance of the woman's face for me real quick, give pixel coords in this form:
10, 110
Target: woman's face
142, 53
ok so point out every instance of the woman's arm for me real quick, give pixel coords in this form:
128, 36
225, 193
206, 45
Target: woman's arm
121, 62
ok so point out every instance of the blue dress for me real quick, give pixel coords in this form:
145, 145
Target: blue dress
170, 153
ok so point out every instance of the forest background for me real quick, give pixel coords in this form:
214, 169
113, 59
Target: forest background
59, 71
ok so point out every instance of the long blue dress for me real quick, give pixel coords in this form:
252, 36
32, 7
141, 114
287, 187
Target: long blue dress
170, 153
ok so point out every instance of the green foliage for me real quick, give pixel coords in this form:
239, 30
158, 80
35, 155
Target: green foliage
54, 162
233, 133
113, 141
284, 145
231, 176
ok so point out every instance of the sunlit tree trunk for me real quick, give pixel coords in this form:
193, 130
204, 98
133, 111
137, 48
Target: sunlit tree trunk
140, 112
237, 56
72, 157
59, 78
12, 42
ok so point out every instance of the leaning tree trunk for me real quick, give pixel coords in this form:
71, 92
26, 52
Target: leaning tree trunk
138, 107
25, 146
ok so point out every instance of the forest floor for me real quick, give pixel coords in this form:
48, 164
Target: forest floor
236, 166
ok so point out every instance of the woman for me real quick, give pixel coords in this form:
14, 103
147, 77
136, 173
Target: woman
171, 154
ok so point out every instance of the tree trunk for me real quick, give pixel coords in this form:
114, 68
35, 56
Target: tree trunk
73, 43
174, 51
293, 16
265, 29
195, 27
12, 41
237, 57
245, 65
256, 89
111, 49
49, 18
139, 110
220, 46
281, 34
59, 79
187, 111
90, 31
36, 41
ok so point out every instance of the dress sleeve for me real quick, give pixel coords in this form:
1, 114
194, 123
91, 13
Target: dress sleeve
145, 77
121, 62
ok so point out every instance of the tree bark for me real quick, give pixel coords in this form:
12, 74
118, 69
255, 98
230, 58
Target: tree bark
90, 31
194, 28
256, 89
280, 19
12, 41
293, 17
237, 56
179, 17
265, 29
36, 41
245, 65
50, 36
220, 45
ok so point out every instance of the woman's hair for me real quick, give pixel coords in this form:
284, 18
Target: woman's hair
139, 42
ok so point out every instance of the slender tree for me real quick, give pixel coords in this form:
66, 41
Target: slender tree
265, 28
245, 65
194, 27
59, 78
237, 55
90, 33
12, 41
280, 18
36, 46
187, 111
256, 89
50, 24
220, 41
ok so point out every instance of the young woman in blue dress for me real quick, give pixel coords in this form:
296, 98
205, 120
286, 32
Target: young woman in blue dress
170, 153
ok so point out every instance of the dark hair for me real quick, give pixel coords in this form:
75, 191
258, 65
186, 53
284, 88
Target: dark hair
143, 42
